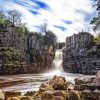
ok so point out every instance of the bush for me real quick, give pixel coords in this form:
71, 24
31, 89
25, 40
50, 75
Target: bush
9, 54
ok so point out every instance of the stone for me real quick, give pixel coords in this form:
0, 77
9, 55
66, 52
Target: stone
13, 98
44, 87
12, 94
84, 80
89, 95
47, 95
58, 98
1, 95
30, 93
50, 95
26, 98
74, 95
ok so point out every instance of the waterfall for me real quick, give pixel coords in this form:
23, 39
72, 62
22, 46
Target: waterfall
57, 62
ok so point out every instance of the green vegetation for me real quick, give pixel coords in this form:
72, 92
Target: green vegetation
9, 54
96, 22
97, 39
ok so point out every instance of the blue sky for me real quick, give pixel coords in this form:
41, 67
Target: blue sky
64, 17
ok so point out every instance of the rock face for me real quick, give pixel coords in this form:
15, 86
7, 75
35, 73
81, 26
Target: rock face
81, 54
37, 54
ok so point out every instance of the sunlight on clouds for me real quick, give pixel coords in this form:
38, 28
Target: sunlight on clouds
54, 12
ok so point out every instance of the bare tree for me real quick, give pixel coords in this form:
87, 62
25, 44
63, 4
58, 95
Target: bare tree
14, 16
44, 28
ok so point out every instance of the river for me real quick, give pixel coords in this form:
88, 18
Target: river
33, 81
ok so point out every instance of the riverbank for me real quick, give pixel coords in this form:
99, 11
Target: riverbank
33, 81
59, 88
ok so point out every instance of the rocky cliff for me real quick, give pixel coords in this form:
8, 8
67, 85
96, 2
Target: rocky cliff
81, 54
20, 53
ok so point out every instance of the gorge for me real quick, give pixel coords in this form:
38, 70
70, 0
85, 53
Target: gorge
33, 81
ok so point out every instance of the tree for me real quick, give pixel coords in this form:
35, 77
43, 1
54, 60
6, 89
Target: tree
22, 29
44, 28
52, 37
96, 23
14, 16
2, 17
97, 4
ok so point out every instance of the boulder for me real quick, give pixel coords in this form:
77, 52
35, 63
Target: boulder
58, 98
26, 98
97, 79
12, 94
47, 95
74, 95
13, 98
84, 80
54, 95
90, 95
30, 93
45, 87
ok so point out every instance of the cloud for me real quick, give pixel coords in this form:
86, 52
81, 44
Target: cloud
67, 22
60, 27
64, 17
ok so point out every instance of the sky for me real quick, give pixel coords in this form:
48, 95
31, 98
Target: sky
64, 17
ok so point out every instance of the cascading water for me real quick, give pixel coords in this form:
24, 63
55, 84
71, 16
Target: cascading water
34, 80
57, 62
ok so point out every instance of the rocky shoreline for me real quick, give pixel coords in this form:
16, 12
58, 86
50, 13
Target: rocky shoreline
57, 88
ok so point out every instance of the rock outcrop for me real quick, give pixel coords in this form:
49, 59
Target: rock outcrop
81, 54
38, 56
57, 88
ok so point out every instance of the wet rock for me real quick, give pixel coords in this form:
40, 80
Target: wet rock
89, 95
47, 95
86, 95
30, 93
26, 98
1, 95
13, 98
58, 98
57, 94
84, 80
98, 74
60, 93
12, 94
45, 87
58, 86
97, 79
57, 82
74, 95
69, 85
